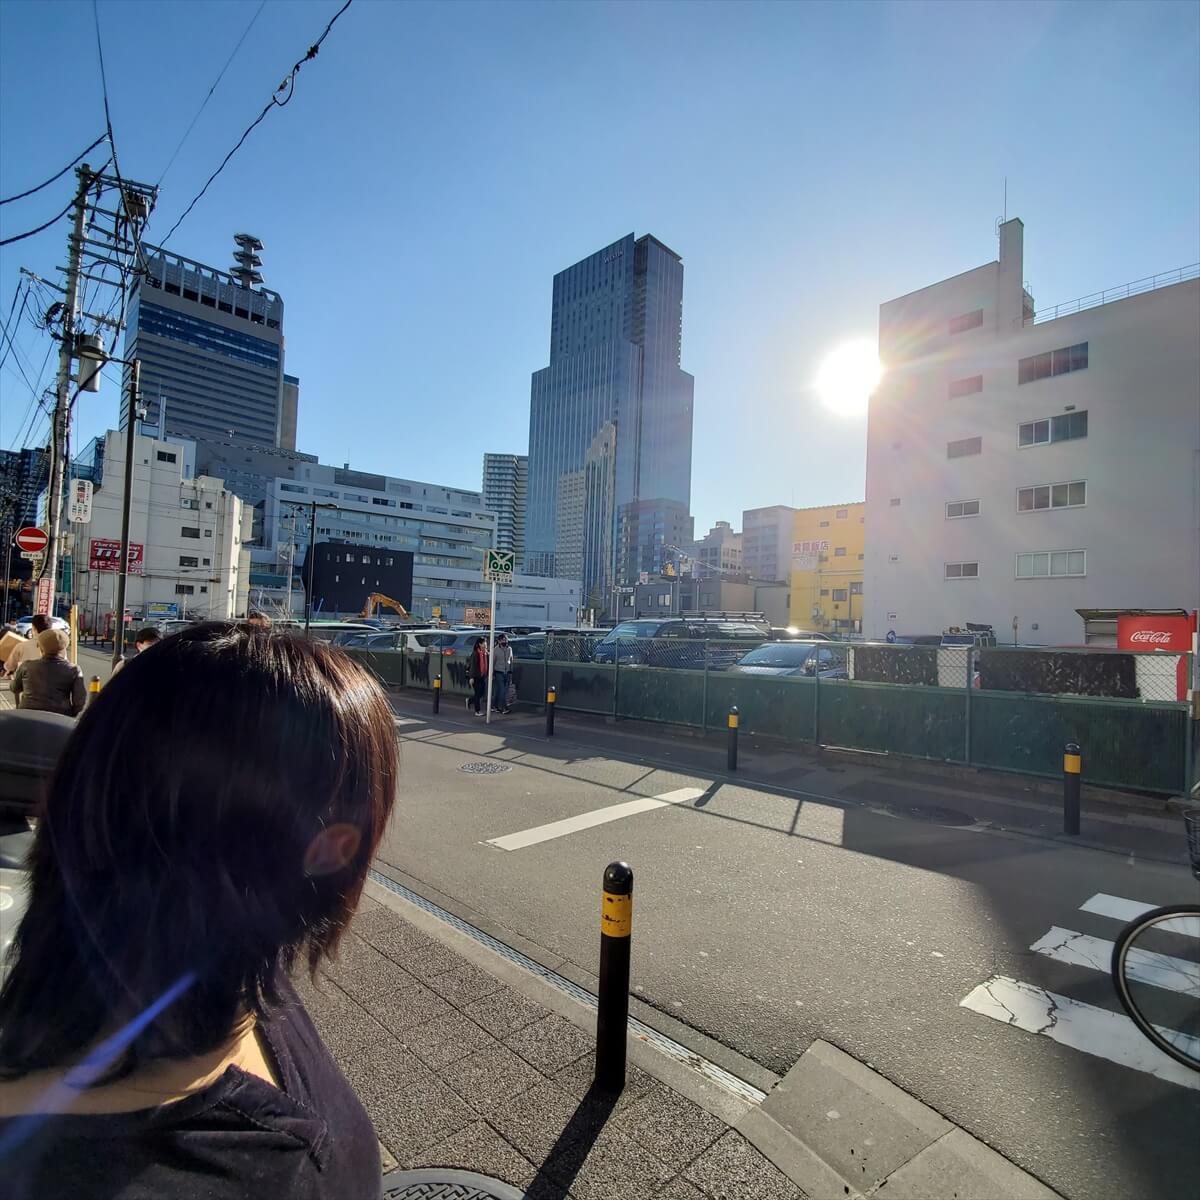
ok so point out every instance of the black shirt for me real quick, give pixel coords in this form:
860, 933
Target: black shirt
240, 1138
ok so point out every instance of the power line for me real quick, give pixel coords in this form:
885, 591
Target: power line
20, 237
209, 94
288, 86
48, 182
8, 319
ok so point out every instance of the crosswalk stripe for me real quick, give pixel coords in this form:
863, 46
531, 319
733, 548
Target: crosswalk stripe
588, 820
1142, 966
1121, 909
1095, 1031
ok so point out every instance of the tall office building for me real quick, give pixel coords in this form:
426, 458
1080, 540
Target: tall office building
23, 478
505, 480
767, 542
615, 339
210, 343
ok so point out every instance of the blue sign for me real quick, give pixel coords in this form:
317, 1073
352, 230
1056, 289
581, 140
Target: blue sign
159, 608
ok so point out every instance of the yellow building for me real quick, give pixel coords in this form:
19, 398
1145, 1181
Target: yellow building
827, 568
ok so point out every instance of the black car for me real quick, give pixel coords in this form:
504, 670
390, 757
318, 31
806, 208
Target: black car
679, 642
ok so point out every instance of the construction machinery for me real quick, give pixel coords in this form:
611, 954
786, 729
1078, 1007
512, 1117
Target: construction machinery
377, 600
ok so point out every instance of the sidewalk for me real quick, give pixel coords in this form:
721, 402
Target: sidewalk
465, 1059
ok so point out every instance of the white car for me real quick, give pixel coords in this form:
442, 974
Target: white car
24, 624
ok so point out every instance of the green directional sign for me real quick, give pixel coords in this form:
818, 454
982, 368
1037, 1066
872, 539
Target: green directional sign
498, 566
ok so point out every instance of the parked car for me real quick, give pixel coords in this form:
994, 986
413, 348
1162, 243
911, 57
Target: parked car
24, 624
792, 634
678, 642
418, 639
824, 660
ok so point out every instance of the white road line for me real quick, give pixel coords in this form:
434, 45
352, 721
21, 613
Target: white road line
1126, 910
587, 820
1095, 1031
1143, 966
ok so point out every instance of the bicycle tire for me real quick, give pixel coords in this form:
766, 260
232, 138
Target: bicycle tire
1119, 968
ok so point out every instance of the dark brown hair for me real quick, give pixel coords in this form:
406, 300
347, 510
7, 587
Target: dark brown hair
211, 820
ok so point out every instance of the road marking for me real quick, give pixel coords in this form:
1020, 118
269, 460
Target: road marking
1127, 910
1142, 966
588, 820
1095, 1031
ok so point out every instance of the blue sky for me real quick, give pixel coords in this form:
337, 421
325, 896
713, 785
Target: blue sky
439, 163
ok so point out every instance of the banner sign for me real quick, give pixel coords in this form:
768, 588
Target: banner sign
106, 555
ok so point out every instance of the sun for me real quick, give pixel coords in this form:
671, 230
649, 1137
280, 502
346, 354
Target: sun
848, 377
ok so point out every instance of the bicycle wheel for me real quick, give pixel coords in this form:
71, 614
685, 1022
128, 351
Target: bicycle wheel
1156, 971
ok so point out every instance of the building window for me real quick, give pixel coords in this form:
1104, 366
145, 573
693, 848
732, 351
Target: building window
1046, 564
208, 533
965, 387
188, 560
964, 447
962, 570
664, 601
962, 508
839, 552
184, 589
856, 589
165, 456
1052, 495
841, 514
189, 531
824, 524
189, 502
208, 504
840, 595
1053, 362
971, 320
203, 588
1063, 428
292, 487
895, 502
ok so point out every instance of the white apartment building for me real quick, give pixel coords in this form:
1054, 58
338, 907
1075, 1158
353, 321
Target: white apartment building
1024, 465
187, 537
767, 542
718, 552
445, 529
505, 486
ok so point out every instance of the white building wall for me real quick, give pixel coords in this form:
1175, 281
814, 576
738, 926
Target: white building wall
165, 501
1140, 460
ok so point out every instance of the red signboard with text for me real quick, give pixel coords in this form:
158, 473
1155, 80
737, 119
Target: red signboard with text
106, 555
1171, 633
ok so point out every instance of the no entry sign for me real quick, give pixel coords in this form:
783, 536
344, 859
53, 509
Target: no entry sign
31, 538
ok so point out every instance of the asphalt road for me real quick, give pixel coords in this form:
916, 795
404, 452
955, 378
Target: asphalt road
765, 918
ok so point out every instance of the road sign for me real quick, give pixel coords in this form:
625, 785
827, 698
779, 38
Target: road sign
477, 616
498, 566
436, 610
161, 608
81, 500
31, 538
44, 596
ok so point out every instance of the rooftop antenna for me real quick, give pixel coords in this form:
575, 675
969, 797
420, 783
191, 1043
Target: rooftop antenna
246, 260
1006, 197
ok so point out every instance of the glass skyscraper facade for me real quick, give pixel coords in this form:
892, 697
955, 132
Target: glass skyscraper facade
211, 352
614, 404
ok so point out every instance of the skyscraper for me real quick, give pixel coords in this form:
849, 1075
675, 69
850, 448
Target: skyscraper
616, 326
210, 344
505, 481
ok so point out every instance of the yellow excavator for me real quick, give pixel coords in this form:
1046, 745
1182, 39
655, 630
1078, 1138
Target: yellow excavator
377, 600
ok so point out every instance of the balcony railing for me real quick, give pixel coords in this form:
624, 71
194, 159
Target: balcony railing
1149, 284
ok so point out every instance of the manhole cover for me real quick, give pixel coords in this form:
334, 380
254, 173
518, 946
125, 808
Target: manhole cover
930, 812
445, 1185
485, 768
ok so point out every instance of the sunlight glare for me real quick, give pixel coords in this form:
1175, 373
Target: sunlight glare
848, 376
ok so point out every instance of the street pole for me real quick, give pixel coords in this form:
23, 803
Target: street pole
312, 565
62, 405
291, 565
11, 531
135, 375
491, 651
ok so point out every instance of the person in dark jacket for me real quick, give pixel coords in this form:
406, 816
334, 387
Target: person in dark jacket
207, 832
51, 683
477, 673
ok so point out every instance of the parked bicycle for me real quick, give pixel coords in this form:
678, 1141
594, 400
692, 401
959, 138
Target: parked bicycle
1156, 969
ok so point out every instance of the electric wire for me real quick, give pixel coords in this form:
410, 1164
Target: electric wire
20, 237
48, 182
4, 328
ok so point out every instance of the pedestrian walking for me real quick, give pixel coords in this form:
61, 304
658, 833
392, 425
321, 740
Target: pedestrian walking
501, 673
195, 849
477, 673
28, 650
144, 640
52, 683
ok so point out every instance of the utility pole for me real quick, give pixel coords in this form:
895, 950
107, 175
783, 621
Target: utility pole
312, 565
61, 420
135, 375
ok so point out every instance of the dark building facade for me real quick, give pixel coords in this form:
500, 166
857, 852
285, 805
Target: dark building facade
615, 349
344, 575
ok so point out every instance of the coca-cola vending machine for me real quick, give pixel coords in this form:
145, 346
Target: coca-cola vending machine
1169, 633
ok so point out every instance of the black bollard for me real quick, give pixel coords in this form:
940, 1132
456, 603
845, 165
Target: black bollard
612, 1010
551, 702
437, 694
1072, 764
731, 753
93, 688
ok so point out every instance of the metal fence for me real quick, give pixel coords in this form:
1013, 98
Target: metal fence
1008, 708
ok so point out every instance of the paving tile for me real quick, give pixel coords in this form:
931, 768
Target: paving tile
504, 1012
545, 1188
670, 1127
536, 1119
491, 1077
732, 1169
362, 971
409, 1106
577, 1079
464, 983
478, 1147
679, 1189
446, 1039
550, 1044
610, 1167
404, 1008
342, 1023
405, 944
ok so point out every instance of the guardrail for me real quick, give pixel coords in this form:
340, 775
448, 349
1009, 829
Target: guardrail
1149, 284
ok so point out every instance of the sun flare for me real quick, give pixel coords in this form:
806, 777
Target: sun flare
848, 376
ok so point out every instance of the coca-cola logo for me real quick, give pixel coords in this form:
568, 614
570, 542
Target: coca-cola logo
1150, 637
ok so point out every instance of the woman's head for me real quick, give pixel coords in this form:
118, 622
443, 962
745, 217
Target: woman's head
213, 816
52, 642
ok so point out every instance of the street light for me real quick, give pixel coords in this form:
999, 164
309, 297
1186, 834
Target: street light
312, 506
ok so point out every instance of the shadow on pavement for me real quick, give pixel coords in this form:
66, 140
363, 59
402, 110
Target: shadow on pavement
566, 1157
